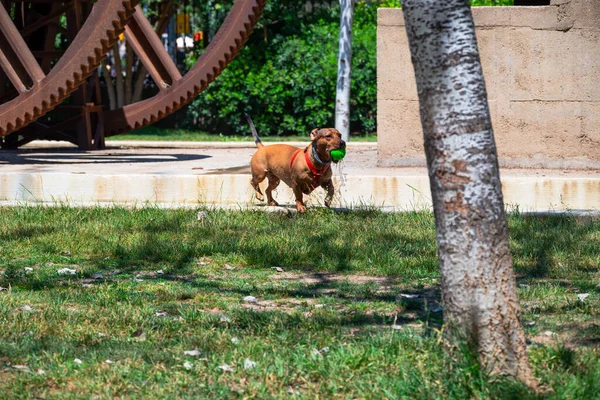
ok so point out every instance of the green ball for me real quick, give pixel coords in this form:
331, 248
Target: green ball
338, 154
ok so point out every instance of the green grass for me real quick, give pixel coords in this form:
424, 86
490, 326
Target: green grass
185, 135
342, 288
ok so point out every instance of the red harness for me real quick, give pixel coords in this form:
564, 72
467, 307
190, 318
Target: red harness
316, 173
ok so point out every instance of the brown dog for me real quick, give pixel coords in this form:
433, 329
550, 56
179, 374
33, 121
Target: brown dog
301, 169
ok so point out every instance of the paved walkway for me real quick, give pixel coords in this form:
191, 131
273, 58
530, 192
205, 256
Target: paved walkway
189, 173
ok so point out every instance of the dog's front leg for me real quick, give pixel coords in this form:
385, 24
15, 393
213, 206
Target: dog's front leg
299, 203
330, 191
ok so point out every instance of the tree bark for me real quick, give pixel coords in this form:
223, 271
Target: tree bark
110, 89
479, 291
128, 74
119, 76
342, 96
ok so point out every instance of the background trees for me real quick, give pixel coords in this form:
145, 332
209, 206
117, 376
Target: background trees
286, 75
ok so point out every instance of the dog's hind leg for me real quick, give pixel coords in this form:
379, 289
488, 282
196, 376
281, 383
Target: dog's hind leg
273, 183
256, 179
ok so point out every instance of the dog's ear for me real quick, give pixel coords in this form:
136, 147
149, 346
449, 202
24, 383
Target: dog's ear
313, 134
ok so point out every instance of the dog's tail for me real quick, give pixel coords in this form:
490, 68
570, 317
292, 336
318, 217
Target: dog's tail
254, 133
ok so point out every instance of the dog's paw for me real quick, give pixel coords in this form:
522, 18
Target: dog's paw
273, 203
300, 208
260, 197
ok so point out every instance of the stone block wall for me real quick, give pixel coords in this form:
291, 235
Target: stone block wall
542, 72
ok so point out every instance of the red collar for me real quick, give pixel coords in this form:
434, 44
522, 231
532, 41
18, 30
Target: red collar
311, 166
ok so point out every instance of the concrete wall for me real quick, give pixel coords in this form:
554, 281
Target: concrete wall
542, 70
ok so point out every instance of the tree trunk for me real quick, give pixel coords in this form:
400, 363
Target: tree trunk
342, 95
479, 291
129, 74
138, 88
110, 89
119, 76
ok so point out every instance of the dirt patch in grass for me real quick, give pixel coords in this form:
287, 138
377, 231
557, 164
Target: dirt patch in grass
584, 333
326, 277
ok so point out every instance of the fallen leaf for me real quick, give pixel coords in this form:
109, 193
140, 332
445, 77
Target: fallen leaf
293, 391
320, 352
2, 289
100, 334
229, 267
139, 335
97, 275
202, 215
249, 364
41, 372
397, 327
235, 340
278, 269
250, 299
226, 368
530, 323
108, 361
160, 272
194, 352
225, 318
581, 297
66, 271
548, 333
22, 368
437, 309
161, 314
188, 365
26, 308
28, 269
409, 296
77, 361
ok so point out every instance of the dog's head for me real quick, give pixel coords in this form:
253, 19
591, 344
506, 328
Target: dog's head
325, 140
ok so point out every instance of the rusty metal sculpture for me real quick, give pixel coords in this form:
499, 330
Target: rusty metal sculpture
41, 77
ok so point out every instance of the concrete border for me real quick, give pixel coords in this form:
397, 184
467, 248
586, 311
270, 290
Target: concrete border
401, 192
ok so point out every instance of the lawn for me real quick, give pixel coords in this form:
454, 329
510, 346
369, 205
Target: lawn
152, 303
186, 135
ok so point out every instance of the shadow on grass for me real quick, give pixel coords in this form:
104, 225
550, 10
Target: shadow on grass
27, 232
312, 249
543, 244
346, 244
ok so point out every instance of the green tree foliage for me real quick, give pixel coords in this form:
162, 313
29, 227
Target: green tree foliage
286, 74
